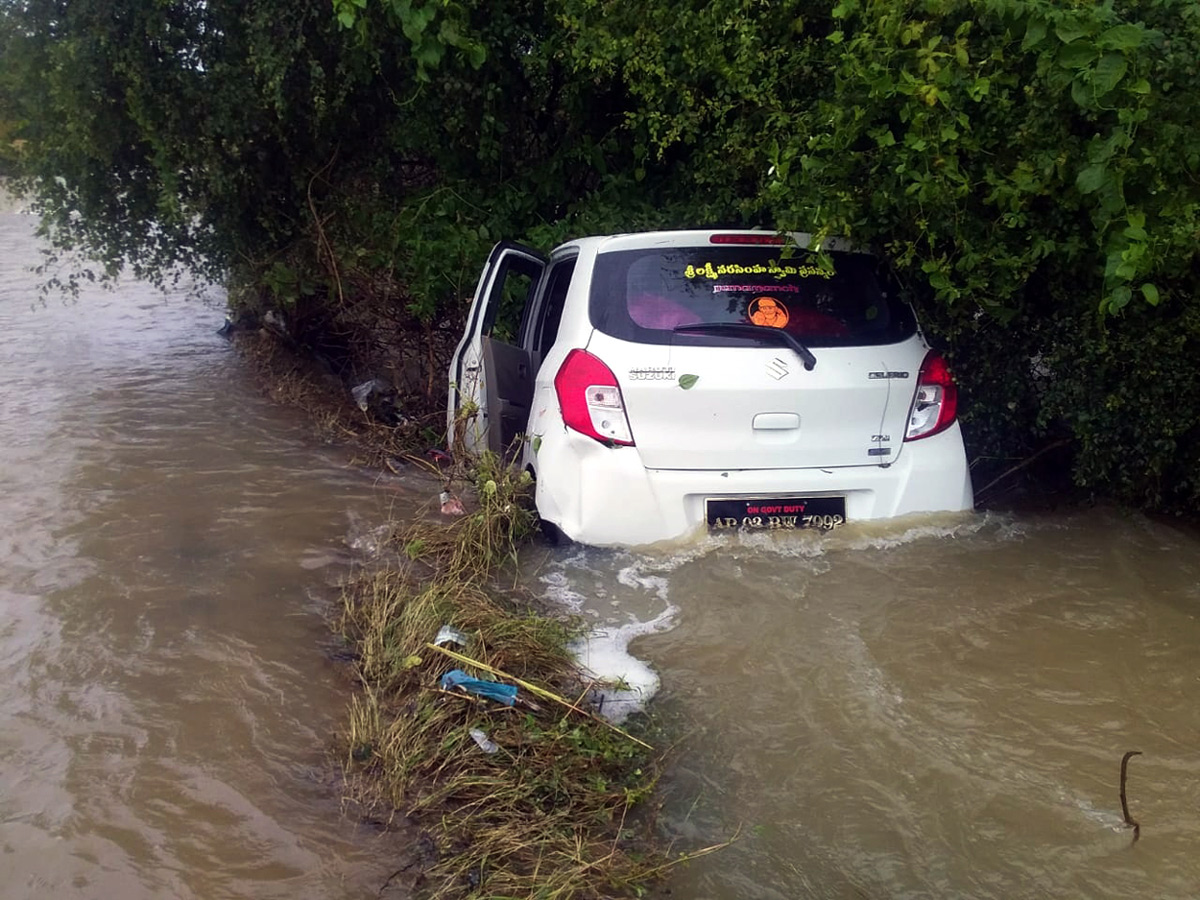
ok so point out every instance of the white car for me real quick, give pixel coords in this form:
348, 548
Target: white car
665, 382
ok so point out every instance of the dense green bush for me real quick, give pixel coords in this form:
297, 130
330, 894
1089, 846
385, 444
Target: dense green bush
1032, 167
1122, 393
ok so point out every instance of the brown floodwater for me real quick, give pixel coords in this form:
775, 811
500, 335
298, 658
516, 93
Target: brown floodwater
930, 708
170, 546
935, 707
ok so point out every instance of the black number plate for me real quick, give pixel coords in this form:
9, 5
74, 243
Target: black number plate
776, 514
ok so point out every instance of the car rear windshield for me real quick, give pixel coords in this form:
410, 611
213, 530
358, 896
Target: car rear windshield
643, 295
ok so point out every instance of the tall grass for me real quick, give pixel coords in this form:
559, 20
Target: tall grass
471, 548
551, 813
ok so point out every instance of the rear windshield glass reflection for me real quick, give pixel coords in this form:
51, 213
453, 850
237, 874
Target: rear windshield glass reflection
846, 299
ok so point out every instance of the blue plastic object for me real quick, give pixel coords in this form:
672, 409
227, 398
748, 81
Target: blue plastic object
493, 690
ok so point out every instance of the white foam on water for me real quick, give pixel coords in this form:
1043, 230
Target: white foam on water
882, 534
634, 576
624, 683
1106, 818
559, 591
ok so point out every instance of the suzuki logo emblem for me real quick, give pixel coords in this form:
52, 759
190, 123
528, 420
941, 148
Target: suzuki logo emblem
777, 368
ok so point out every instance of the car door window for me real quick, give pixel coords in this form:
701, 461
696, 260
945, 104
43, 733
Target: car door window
513, 289
545, 329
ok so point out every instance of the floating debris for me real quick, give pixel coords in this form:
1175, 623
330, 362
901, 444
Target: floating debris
448, 634
492, 690
1129, 820
378, 399
485, 744
451, 505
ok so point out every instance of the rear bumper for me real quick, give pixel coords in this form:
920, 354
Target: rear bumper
605, 496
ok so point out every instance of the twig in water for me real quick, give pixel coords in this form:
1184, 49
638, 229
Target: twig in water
1021, 465
687, 857
383, 887
1129, 820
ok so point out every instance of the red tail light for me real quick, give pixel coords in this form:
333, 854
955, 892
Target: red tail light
936, 404
762, 239
591, 400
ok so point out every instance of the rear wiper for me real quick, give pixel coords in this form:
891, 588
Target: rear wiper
758, 332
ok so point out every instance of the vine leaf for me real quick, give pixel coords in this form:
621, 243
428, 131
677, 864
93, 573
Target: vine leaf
1090, 179
1109, 71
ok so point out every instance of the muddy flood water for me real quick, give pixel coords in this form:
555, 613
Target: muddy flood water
931, 708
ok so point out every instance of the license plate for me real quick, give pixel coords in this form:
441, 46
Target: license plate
776, 514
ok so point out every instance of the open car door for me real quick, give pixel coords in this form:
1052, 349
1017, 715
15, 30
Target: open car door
491, 377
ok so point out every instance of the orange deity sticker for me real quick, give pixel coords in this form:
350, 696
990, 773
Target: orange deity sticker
768, 311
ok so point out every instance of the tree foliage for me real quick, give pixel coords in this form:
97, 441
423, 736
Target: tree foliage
977, 140
1032, 167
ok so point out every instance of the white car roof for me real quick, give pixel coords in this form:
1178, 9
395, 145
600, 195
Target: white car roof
690, 238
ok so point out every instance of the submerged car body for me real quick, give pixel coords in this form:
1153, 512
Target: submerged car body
662, 382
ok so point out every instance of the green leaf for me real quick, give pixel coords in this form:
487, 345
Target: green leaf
1081, 92
1068, 32
1136, 230
1109, 71
884, 137
980, 88
1123, 37
1035, 33
346, 18
536, 443
1099, 150
429, 53
1141, 86
1089, 180
1078, 55
1150, 292
687, 382
1120, 298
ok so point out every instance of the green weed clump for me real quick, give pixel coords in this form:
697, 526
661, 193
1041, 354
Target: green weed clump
487, 537
549, 812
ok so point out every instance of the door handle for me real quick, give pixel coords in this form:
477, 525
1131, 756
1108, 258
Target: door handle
776, 422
